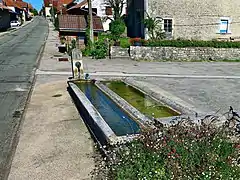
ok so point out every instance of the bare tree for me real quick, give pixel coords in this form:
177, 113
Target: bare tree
117, 6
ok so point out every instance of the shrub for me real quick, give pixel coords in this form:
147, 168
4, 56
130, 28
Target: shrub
182, 151
117, 27
124, 42
133, 40
193, 43
100, 49
86, 52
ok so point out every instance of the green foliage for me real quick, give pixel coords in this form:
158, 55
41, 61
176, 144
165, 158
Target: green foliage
86, 52
34, 11
124, 42
153, 26
100, 50
62, 40
193, 43
178, 152
71, 46
117, 28
89, 42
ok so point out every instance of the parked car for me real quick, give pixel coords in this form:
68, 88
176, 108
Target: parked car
15, 23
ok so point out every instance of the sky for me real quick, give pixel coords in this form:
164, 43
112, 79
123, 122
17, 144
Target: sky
37, 4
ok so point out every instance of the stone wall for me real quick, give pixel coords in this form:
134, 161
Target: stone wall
195, 19
118, 52
183, 54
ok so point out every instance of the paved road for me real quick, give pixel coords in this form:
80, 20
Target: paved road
19, 52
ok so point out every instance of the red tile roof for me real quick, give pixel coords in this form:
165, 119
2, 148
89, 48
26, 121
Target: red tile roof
80, 5
57, 3
12, 3
78, 23
22, 4
4, 7
30, 6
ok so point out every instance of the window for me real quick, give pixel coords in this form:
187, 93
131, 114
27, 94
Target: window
167, 25
224, 26
109, 11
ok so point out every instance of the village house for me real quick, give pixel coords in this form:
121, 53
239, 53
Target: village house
20, 9
4, 17
60, 5
100, 8
75, 26
205, 20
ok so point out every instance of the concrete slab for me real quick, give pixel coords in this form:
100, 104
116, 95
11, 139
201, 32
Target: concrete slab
207, 95
54, 142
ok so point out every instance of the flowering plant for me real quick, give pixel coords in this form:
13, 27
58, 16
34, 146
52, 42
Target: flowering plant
181, 151
133, 40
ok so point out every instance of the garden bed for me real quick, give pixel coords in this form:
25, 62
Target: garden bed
181, 151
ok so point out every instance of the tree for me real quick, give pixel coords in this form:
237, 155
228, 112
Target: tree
117, 6
34, 11
117, 27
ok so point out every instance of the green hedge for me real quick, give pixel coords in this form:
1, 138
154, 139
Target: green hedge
124, 42
189, 43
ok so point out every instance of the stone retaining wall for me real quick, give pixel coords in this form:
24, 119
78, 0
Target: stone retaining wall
118, 52
183, 54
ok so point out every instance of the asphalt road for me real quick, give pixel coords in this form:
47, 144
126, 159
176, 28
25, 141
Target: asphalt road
19, 52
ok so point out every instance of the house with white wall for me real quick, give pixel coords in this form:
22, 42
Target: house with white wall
188, 19
101, 9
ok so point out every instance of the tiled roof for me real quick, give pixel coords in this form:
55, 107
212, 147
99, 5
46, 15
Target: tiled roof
12, 3
4, 7
80, 5
22, 4
78, 23
66, 1
30, 6
56, 3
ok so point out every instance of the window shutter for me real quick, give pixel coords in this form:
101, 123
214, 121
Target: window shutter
109, 11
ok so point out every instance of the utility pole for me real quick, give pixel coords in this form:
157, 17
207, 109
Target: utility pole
90, 20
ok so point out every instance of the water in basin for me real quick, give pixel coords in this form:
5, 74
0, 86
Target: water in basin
140, 101
118, 120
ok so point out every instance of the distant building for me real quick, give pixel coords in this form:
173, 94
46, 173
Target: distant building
21, 9
4, 17
99, 8
75, 26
